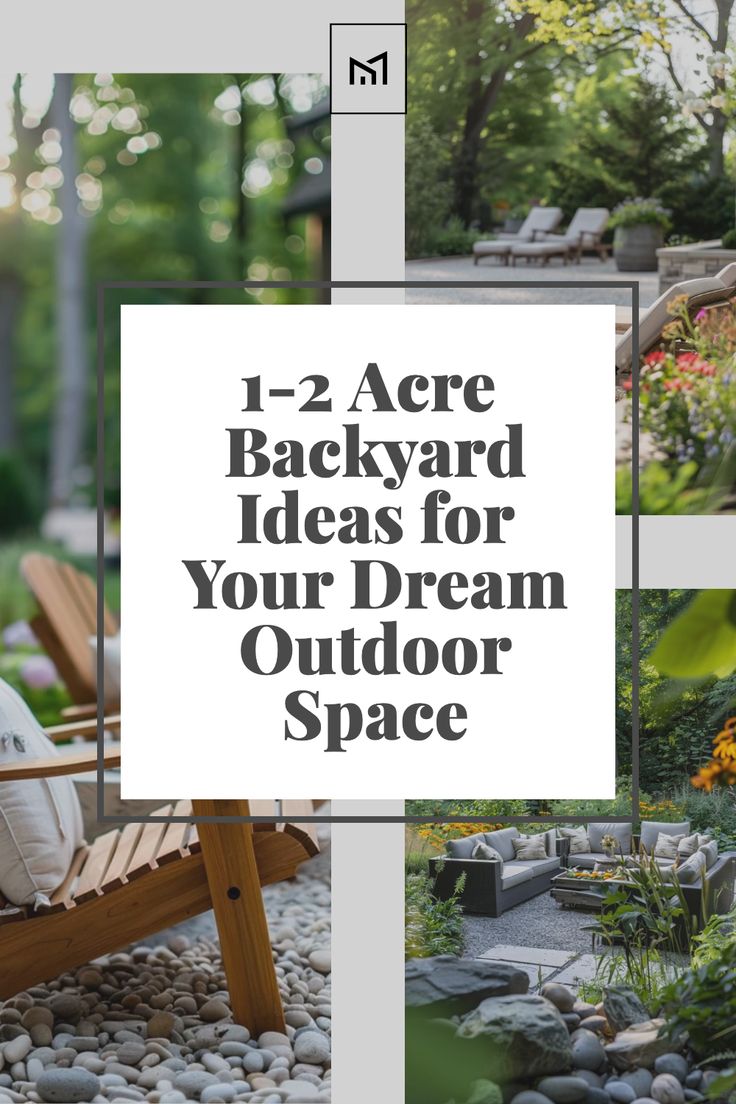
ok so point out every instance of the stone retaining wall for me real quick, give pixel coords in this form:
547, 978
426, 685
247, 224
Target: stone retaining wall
690, 262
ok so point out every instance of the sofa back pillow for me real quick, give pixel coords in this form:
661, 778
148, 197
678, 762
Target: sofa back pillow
483, 851
578, 837
620, 832
530, 847
693, 869
550, 842
650, 829
502, 839
462, 848
710, 850
40, 818
110, 668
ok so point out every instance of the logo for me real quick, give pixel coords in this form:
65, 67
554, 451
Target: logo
368, 68
362, 72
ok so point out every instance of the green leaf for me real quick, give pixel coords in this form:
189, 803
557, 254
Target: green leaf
701, 641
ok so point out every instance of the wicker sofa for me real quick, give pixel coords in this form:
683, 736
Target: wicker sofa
492, 886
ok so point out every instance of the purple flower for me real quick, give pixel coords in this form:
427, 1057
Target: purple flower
700, 315
19, 635
38, 672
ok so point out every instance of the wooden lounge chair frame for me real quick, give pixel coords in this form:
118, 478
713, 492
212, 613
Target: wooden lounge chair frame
131, 883
64, 623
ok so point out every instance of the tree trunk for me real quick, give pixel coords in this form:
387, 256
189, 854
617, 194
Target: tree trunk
716, 139
482, 96
9, 308
72, 376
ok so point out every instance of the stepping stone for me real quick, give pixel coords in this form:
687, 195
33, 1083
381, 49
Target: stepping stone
583, 969
536, 974
537, 956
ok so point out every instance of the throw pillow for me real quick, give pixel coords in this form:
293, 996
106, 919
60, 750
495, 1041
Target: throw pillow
693, 869
530, 847
483, 851
578, 837
40, 818
710, 850
666, 846
688, 845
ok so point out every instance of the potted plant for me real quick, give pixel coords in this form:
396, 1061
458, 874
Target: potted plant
609, 844
640, 226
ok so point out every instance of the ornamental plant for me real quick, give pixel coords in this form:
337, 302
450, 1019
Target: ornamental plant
639, 212
703, 1003
687, 392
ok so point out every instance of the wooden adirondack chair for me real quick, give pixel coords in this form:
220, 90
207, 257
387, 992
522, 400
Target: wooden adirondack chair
133, 882
66, 619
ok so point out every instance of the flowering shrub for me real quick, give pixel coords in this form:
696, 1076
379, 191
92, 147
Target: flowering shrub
687, 397
721, 770
635, 212
437, 834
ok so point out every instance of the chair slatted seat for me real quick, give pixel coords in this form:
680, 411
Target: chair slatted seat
147, 877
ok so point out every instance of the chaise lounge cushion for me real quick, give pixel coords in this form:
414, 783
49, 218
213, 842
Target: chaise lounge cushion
650, 829
40, 819
622, 833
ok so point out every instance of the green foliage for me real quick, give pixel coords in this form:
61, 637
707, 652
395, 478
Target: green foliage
452, 239
701, 641
718, 935
19, 500
666, 490
713, 813
432, 927
428, 188
640, 212
702, 1002
728, 241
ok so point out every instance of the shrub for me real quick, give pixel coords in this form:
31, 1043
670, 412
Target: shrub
452, 239
664, 491
19, 506
728, 241
428, 187
702, 1002
432, 927
639, 212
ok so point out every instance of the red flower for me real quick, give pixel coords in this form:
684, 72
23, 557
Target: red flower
655, 358
627, 385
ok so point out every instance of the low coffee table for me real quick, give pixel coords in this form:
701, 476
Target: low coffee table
582, 890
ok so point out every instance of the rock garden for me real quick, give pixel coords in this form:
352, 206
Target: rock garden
476, 1035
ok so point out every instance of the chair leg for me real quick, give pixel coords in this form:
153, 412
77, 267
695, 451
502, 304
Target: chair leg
232, 874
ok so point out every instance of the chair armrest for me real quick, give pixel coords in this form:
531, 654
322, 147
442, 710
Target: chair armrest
76, 763
63, 732
80, 712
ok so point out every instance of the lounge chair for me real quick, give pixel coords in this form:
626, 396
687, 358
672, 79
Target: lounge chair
703, 292
64, 624
540, 220
146, 877
584, 232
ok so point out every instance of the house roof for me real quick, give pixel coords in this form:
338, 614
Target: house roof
311, 193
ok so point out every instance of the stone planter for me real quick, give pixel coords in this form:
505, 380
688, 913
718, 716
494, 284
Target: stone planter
635, 247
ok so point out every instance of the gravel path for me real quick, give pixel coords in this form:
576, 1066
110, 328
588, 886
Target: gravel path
536, 923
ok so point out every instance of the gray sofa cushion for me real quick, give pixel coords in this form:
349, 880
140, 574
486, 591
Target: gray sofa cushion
586, 860
462, 848
598, 829
650, 829
542, 866
692, 870
516, 873
550, 837
501, 840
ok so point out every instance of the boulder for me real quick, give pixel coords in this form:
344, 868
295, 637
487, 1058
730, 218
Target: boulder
623, 1008
520, 1037
640, 1045
448, 986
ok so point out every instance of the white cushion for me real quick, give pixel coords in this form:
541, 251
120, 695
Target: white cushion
40, 818
111, 672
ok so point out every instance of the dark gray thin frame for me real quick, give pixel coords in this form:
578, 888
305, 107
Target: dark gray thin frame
632, 286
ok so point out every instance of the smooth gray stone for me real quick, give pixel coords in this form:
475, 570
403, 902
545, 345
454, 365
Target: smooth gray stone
639, 1079
563, 1090
596, 1096
620, 1092
672, 1063
528, 1096
587, 1052
67, 1086
667, 1089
